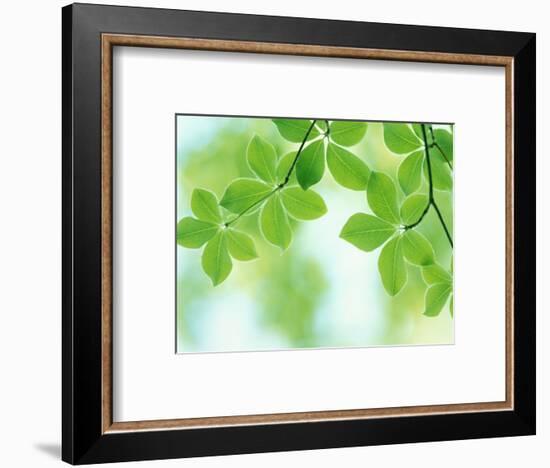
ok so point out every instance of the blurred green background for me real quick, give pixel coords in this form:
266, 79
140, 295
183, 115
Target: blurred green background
322, 291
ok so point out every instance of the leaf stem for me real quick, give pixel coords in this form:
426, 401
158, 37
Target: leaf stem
429, 162
417, 222
431, 198
281, 185
247, 209
285, 181
436, 208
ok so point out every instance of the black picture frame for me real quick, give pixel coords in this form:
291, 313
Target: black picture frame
84, 440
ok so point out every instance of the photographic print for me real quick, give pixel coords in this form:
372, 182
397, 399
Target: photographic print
312, 233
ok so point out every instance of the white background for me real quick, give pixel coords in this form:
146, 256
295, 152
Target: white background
30, 245
151, 382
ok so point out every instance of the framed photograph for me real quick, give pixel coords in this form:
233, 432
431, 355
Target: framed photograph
260, 220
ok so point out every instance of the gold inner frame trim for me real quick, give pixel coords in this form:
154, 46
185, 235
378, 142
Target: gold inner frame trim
108, 41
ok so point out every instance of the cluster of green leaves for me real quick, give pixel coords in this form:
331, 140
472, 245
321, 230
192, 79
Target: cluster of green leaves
393, 224
326, 146
281, 190
271, 194
440, 289
407, 140
222, 243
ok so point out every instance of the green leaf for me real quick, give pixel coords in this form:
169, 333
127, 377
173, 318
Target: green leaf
311, 164
347, 133
366, 232
436, 298
451, 305
240, 245
346, 168
216, 261
284, 165
409, 173
204, 205
392, 267
243, 193
435, 274
417, 249
400, 138
193, 233
295, 129
382, 197
417, 128
303, 204
413, 207
274, 223
321, 125
441, 173
262, 158
445, 140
